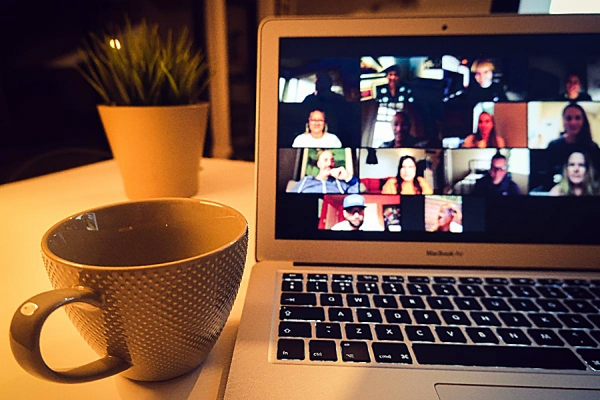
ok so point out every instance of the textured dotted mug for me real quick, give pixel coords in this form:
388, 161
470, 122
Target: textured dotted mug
148, 284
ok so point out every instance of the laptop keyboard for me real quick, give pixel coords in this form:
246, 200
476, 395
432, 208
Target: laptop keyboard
471, 321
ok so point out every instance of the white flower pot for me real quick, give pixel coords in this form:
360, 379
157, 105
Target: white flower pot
157, 149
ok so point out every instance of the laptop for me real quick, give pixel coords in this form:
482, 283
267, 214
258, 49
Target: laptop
427, 199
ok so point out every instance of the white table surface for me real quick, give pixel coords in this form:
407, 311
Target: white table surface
28, 209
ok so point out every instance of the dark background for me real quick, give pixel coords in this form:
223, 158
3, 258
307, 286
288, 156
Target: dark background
48, 117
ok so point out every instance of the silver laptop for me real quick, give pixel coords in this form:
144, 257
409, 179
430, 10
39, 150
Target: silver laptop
427, 210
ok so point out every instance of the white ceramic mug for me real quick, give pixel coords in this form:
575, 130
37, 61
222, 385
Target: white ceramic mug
148, 284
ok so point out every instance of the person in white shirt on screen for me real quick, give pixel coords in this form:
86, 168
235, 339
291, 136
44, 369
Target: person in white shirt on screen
354, 214
316, 134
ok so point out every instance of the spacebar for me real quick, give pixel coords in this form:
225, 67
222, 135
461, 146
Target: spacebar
497, 356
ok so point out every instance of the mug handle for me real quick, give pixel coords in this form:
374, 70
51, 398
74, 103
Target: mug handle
26, 327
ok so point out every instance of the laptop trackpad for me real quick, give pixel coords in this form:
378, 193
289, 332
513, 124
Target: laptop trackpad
462, 392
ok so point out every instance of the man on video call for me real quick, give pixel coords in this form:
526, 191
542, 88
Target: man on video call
354, 216
497, 181
330, 179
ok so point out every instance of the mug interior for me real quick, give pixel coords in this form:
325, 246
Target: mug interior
144, 233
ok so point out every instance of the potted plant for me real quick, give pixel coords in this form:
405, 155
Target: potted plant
151, 114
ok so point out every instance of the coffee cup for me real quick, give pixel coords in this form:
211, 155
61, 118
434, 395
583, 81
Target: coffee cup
148, 284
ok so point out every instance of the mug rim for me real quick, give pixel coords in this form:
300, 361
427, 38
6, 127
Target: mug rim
54, 257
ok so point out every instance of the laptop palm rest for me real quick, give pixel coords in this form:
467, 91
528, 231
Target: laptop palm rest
462, 392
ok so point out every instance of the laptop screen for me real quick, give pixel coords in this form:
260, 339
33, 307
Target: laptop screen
455, 138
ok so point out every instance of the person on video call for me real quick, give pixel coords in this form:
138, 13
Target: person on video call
323, 92
354, 216
497, 181
401, 127
395, 90
578, 178
486, 135
406, 180
316, 134
330, 179
577, 136
573, 90
484, 88
448, 219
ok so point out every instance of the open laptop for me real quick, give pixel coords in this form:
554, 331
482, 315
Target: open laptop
401, 254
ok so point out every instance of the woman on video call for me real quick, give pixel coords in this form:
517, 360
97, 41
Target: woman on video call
406, 180
578, 178
486, 135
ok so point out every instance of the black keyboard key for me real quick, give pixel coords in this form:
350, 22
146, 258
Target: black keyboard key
440, 303
595, 335
419, 333
551, 292
392, 288
322, 350
393, 279
470, 280
497, 356
545, 337
368, 315
467, 303
495, 304
482, 335
342, 278
339, 314
342, 287
574, 321
496, 281
581, 306
522, 281
367, 287
551, 305
328, 331
418, 279
412, 302
426, 317
298, 299
545, 320
317, 286
524, 291
448, 334
358, 300
485, 319
397, 317
394, 353
418, 289
385, 301
523, 305
578, 292
591, 357
595, 320
577, 338
388, 332
471, 290
292, 286
444, 279
550, 282
302, 313
455, 318
293, 277
358, 331
318, 277
331, 299
576, 282
444, 290
290, 349
514, 320
295, 329
367, 278
497, 291
513, 336
355, 352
